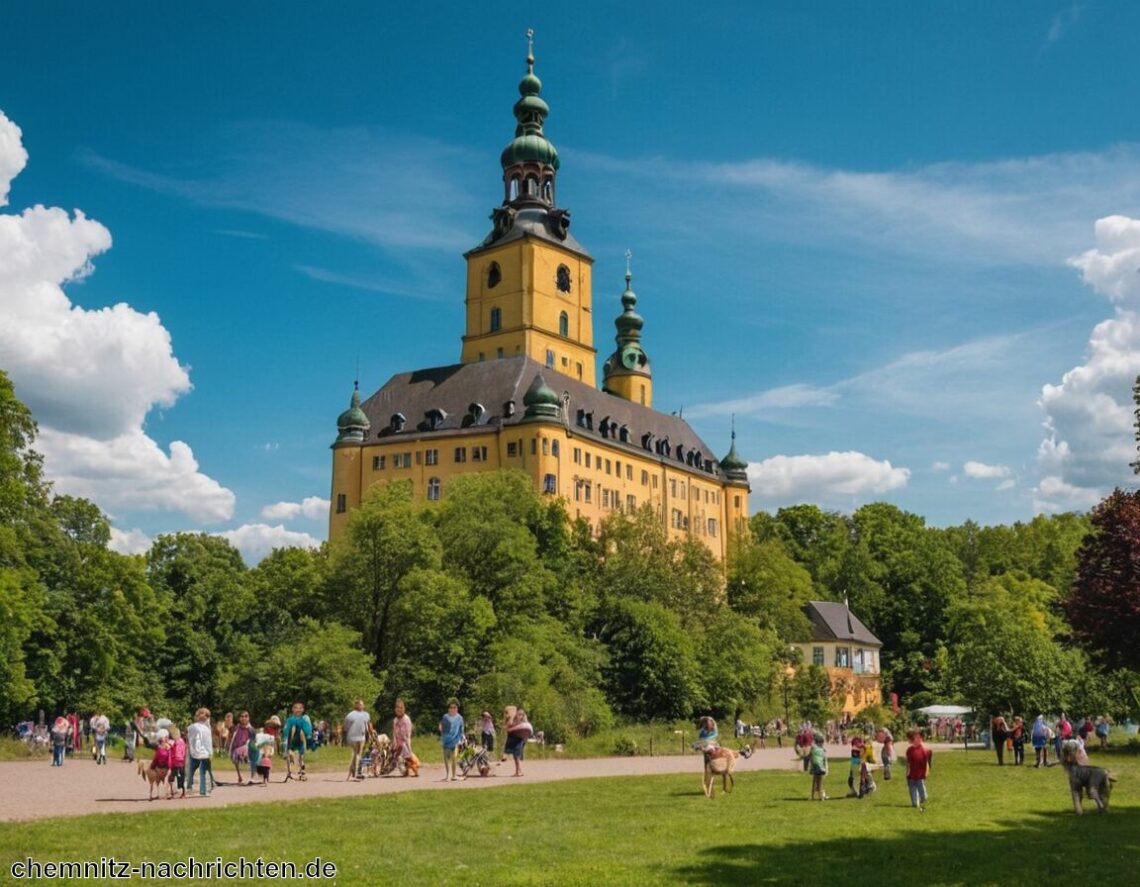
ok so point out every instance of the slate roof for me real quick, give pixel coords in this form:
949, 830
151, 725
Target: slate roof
533, 221
439, 401
835, 622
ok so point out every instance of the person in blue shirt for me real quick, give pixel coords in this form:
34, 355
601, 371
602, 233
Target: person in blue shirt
298, 731
451, 735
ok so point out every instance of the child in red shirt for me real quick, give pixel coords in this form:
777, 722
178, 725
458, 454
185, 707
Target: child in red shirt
918, 758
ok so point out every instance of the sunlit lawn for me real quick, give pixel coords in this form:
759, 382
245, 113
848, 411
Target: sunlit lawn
983, 825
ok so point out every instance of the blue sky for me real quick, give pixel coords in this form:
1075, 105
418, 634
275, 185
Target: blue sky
868, 230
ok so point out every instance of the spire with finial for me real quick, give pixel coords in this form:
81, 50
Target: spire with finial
629, 358
352, 425
732, 465
530, 161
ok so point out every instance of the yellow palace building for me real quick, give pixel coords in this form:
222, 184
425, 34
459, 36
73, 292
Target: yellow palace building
524, 394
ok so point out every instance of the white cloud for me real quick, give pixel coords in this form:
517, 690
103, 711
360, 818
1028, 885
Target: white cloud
982, 470
782, 398
255, 541
940, 466
281, 511
1088, 416
90, 377
1061, 22
789, 479
1009, 211
13, 156
129, 541
1008, 484
312, 507
132, 473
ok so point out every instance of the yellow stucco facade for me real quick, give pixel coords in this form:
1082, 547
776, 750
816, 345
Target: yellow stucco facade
530, 327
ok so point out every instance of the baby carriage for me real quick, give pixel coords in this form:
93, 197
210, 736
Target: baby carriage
473, 757
381, 759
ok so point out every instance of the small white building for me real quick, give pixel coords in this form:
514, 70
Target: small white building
845, 647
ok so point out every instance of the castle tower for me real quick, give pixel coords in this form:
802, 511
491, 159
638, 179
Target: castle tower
626, 372
529, 281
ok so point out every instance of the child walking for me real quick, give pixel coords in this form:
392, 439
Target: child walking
918, 759
451, 734
888, 753
818, 755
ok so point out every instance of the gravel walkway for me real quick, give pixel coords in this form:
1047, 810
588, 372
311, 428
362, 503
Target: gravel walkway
36, 790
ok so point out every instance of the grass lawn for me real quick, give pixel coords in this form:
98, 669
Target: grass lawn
983, 825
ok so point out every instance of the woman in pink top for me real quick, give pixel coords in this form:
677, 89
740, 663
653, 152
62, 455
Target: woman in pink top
402, 731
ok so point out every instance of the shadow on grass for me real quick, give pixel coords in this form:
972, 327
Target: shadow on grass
1028, 850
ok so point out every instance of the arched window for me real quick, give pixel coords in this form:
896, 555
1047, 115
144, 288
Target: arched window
494, 275
549, 358
433, 489
496, 319
531, 186
564, 324
548, 191
514, 188
563, 279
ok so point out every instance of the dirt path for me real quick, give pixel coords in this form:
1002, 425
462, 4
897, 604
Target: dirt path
36, 790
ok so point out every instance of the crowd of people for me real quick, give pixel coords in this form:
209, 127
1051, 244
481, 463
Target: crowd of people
185, 753
1012, 736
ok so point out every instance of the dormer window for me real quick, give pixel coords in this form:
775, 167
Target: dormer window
647, 440
623, 434
397, 423
562, 278
435, 418
494, 276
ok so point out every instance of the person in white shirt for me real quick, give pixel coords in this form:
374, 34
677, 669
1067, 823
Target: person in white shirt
100, 727
200, 739
357, 726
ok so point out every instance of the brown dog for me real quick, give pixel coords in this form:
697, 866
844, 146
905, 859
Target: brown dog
155, 777
719, 762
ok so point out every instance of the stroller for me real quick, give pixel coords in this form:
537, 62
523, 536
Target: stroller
473, 757
381, 759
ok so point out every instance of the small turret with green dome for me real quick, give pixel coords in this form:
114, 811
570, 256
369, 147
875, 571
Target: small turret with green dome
540, 401
734, 468
352, 425
629, 357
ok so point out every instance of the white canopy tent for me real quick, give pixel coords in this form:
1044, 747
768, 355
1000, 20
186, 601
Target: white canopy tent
944, 711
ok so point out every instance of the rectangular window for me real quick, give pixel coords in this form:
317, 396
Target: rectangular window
408, 460
549, 483
512, 449
587, 460
587, 491
554, 449
817, 656
617, 467
842, 657
566, 361
419, 457
577, 491
478, 454
534, 446
628, 472
431, 457
377, 463
609, 465
545, 447
675, 518
644, 478
673, 488
605, 498
461, 454
499, 353
398, 461
736, 502
341, 503
631, 503
712, 527
655, 481
682, 494
577, 455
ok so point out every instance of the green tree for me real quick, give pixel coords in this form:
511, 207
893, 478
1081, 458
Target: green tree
765, 584
652, 670
387, 539
321, 664
204, 594
737, 663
